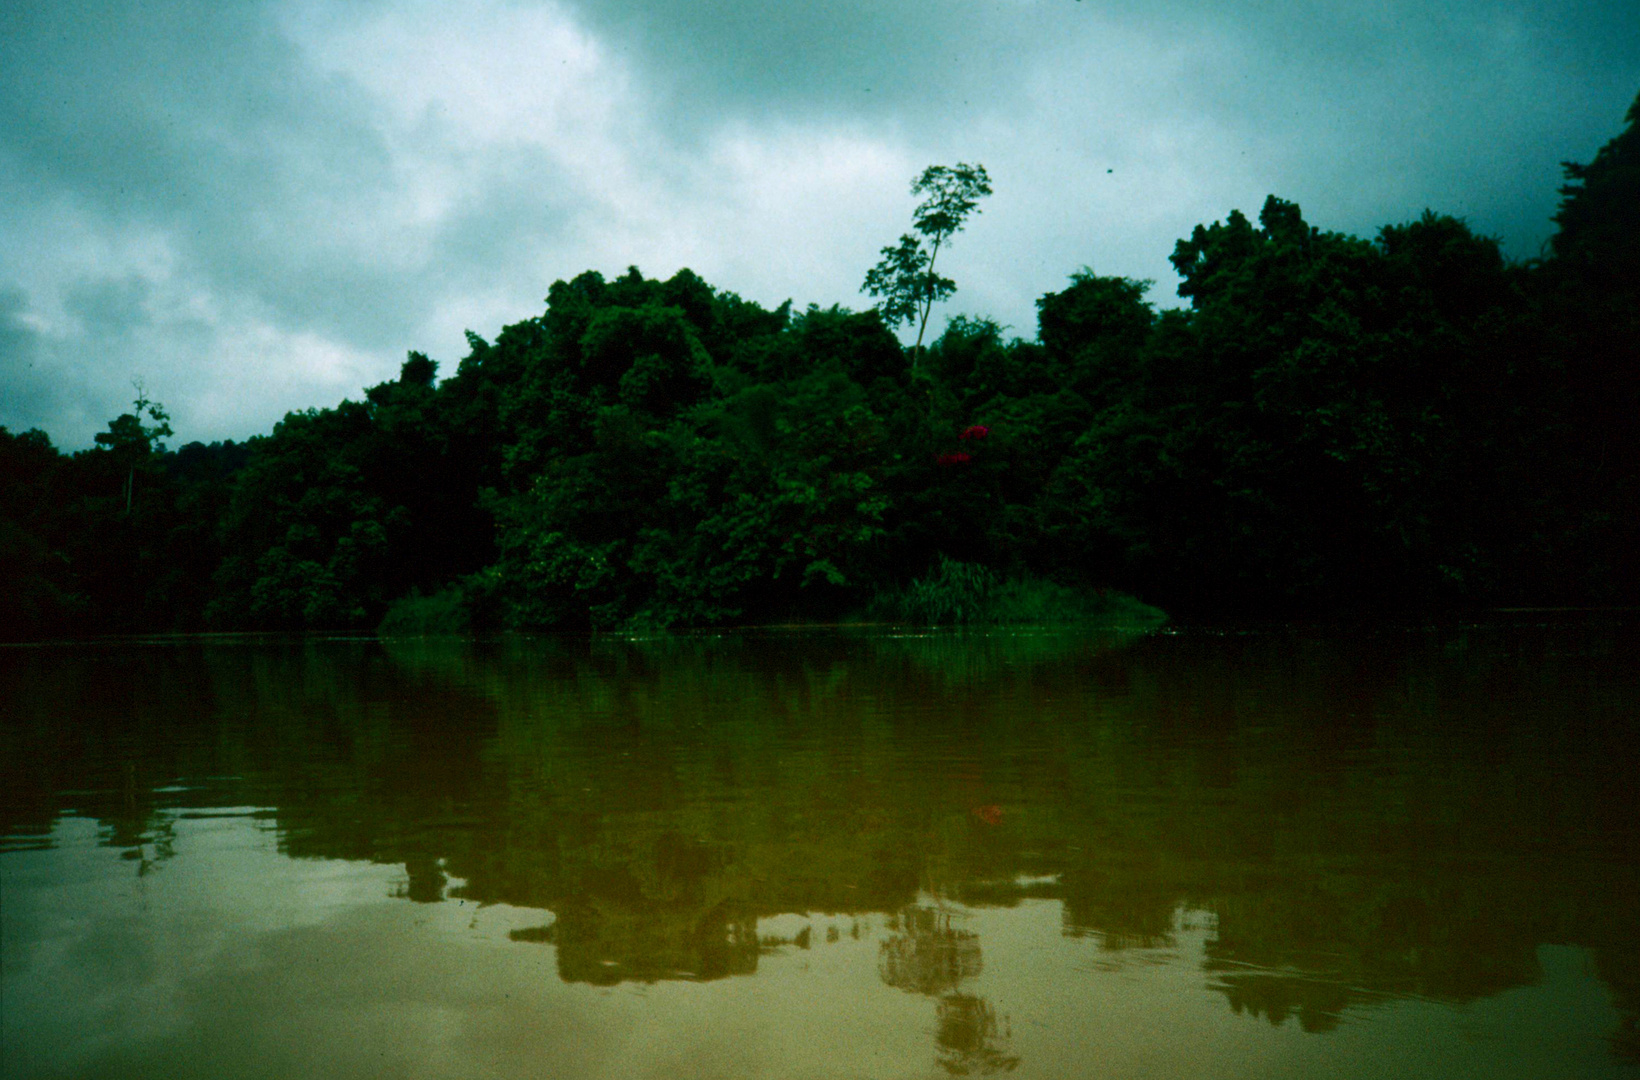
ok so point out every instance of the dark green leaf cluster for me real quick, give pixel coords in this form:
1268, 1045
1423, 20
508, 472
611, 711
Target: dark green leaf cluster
120, 538
1333, 422
905, 279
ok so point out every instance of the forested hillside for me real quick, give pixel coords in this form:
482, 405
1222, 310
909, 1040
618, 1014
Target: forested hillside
1333, 423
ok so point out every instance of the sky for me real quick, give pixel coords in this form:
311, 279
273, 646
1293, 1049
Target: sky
258, 206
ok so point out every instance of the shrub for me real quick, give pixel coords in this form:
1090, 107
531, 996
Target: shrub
958, 593
414, 615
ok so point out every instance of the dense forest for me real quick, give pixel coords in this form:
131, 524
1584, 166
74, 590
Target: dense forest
1333, 423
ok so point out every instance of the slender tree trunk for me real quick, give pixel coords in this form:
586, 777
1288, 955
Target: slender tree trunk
928, 302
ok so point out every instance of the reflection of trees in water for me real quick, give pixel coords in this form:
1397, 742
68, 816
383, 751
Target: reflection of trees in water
670, 907
1317, 1003
1357, 932
425, 880
970, 1041
1621, 970
1123, 909
928, 955
1379, 811
605, 943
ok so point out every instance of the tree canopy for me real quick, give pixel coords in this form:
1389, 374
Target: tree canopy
905, 279
1333, 423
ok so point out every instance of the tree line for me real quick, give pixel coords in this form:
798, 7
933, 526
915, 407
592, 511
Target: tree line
1333, 423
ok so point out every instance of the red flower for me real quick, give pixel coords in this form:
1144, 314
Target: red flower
977, 431
959, 458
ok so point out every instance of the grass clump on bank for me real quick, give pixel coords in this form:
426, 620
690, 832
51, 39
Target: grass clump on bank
441, 614
970, 594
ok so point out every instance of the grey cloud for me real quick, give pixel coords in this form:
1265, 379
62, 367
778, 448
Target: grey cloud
826, 53
852, 56
198, 119
270, 187
30, 398
279, 196
109, 311
175, 109
45, 377
1372, 111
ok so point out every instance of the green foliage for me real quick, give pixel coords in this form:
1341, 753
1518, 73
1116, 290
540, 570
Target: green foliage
1333, 422
905, 279
748, 501
129, 435
442, 614
339, 510
1590, 293
1599, 214
1093, 334
953, 592
37, 599
308, 535
970, 594
1038, 601
133, 442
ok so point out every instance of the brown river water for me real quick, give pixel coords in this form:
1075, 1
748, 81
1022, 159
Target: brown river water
1213, 851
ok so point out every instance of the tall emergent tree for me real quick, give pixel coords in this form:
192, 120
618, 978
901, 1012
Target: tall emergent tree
905, 278
134, 441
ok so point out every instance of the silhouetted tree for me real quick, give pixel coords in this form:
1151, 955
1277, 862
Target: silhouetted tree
906, 278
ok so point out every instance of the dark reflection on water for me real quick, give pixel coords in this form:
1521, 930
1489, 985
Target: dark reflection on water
1359, 817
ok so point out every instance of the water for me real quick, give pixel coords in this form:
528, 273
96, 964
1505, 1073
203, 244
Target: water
1210, 852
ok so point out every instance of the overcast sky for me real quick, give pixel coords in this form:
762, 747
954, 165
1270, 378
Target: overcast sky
260, 205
